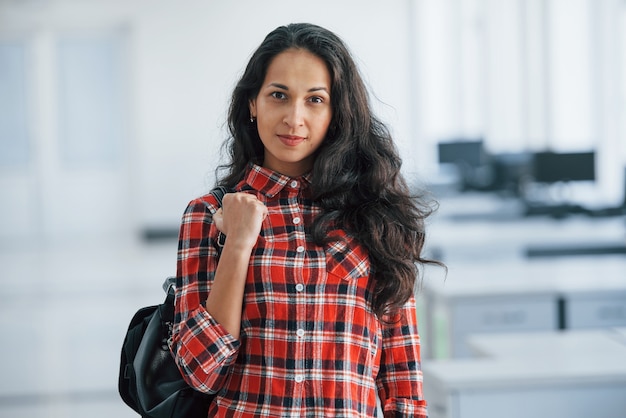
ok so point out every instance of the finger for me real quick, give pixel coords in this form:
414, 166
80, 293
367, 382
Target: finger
218, 218
264, 209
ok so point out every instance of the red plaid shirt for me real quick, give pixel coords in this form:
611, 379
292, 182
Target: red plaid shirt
310, 344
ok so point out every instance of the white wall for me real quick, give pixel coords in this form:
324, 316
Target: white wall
187, 60
183, 60
438, 68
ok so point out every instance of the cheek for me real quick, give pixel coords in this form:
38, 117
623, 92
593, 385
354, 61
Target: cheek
263, 131
267, 118
323, 122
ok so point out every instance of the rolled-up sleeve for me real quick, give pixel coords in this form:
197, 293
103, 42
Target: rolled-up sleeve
203, 349
400, 377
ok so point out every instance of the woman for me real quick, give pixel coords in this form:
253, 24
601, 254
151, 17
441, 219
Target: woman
307, 309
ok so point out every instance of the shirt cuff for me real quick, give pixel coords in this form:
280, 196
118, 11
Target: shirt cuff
206, 350
405, 408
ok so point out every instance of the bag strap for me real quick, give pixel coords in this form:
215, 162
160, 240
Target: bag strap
219, 192
169, 285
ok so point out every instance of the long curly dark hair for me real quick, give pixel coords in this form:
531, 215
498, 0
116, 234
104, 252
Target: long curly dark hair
356, 176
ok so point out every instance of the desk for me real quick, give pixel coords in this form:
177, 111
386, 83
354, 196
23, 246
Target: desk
542, 375
492, 287
485, 227
520, 296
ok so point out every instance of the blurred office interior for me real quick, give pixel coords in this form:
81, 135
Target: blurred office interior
511, 113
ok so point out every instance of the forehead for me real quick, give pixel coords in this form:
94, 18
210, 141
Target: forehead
298, 66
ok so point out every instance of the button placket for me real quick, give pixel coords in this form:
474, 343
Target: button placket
298, 239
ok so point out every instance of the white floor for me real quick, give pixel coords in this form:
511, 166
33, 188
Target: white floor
63, 316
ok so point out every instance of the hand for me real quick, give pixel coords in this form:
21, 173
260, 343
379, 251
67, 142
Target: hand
240, 219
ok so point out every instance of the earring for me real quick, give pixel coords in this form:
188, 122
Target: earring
252, 119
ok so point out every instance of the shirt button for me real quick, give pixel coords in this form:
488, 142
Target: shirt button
300, 333
299, 287
299, 378
300, 249
296, 220
294, 184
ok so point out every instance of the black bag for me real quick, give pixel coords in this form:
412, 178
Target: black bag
149, 380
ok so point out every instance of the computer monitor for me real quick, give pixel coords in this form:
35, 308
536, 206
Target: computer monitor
469, 153
554, 167
510, 171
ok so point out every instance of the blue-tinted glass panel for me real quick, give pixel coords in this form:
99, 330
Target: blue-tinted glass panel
90, 100
14, 139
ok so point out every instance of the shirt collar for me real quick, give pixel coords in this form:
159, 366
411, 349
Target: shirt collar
270, 182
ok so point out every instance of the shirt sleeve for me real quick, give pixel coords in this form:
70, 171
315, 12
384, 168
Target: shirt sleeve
203, 349
400, 379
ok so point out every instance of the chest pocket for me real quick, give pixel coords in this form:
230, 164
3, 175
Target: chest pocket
348, 274
347, 259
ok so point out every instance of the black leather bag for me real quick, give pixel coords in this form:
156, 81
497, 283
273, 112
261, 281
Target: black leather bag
149, 380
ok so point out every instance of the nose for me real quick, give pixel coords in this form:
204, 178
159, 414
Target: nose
294, 116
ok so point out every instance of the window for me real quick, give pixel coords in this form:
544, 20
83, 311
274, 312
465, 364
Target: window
14, 135
91, 109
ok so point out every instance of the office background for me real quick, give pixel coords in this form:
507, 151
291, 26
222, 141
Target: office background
112, 116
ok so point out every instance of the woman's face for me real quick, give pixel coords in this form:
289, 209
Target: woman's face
293, 111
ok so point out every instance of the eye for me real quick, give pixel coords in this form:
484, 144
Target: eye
279, 95
316, 99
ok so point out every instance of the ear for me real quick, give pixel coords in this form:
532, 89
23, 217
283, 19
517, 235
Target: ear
252, 106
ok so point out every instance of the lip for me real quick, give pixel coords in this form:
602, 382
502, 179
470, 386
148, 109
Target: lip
291, 140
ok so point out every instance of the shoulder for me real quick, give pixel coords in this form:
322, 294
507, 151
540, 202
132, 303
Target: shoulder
203, 205
210, 202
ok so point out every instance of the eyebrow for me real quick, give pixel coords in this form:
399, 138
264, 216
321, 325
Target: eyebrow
312, 89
